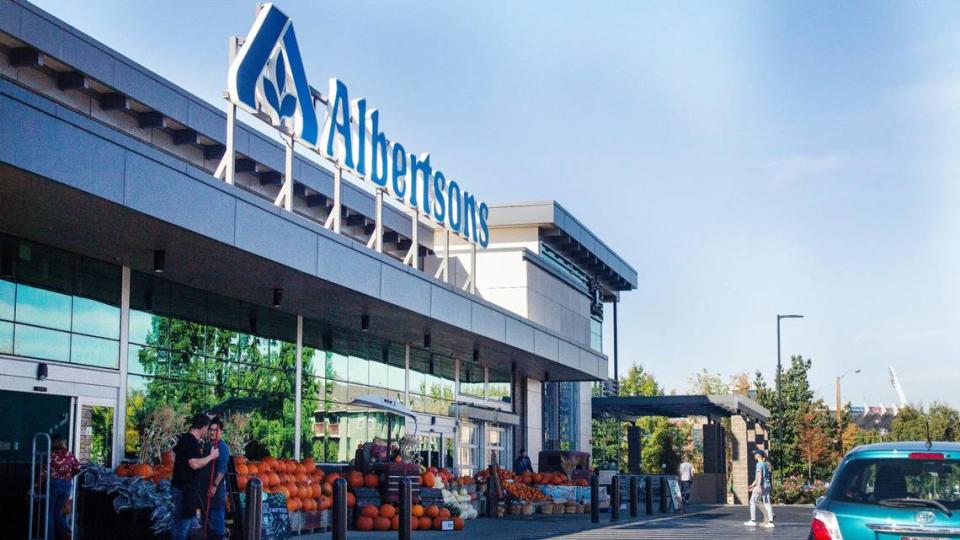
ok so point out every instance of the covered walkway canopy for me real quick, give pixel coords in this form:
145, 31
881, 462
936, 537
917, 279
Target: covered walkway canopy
629, 408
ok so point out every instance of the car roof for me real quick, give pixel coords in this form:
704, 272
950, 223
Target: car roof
906, 446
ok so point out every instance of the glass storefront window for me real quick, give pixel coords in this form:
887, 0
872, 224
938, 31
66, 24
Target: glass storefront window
596, 334
472, 379
96, 318
468, 459
94, 351
6, 337
499, 388
41, 307
8, 293
41, 343
497, 446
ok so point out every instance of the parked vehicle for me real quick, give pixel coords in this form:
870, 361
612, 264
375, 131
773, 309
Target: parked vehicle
901, 491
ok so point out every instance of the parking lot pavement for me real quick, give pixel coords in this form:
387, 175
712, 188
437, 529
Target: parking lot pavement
708, 523
716, 523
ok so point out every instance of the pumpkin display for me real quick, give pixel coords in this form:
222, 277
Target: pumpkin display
426, 523
395, 523
417, 510
381, 524
371, 480
431, 511
457, 523
427, 479
242, 480
364, 523
351, 500
444, 513
369, 511
355, 479
437, 523
325, 503
142, 470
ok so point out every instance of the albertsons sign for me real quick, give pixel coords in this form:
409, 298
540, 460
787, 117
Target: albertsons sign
267, 77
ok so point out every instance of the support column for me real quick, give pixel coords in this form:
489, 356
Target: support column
298, 401
533, 411
406, 375
616, 365
120, 412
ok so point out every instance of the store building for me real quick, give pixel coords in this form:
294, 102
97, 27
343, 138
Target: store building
133, 275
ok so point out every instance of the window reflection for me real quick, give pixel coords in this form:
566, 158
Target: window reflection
7, 299
41, 343
94, 351
6, 337
43, 308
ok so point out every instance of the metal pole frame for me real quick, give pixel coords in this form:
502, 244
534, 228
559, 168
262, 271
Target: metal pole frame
34, 497
776, 425
298, 401
120, 413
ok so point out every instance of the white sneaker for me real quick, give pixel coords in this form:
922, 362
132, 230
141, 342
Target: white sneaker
768, 525
750, 523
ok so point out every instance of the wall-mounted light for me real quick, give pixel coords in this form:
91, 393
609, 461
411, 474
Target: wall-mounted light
42, 372
277, 297
426, 341
327, 341
159, 261
364, 322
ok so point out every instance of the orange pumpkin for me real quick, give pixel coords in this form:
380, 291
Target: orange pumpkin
387, 510
427, 479
351, 500
327, 489
332, 477
308, 465
252, 468
395, 523
242, 480
457, 523
425, 523
444, 513
414, 523
274, 479
325, 503
381, 524
143, 470
166, 458
364, 523
310, 505
355, 479
417, 510
437, 523
371, 481
123, 470
292, 505
369, 511
315, 491
432, 511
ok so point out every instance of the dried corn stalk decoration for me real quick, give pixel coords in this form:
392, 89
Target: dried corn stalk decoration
160, 431
238, 433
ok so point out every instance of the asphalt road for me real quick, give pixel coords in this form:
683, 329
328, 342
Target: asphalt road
718, 523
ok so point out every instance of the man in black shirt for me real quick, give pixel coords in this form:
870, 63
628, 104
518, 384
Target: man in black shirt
185, 485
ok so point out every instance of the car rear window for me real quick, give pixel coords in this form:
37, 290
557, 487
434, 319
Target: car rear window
870, 481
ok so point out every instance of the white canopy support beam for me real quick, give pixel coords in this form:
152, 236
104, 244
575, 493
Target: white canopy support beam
376, 239
333, 220
227, 166
413, 254
471, 283
285, 197
443, 271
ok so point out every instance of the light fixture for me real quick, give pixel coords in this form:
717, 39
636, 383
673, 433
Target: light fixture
426, 341
159, 261
364, 322
42, 371
277, 297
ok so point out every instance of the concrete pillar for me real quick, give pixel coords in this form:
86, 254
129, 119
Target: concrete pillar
741, 470
533, 439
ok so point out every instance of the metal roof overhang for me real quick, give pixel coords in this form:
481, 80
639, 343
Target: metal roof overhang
633, 407
49, 212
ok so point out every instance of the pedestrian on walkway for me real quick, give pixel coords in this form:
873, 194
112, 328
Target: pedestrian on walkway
216, 491
761, 490
686, 479
522, 463
63, 467
185, 484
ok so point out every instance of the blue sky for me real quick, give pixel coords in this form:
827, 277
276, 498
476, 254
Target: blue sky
747, 158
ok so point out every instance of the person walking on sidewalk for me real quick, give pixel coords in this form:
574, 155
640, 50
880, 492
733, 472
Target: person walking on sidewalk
63, 467
760, 490
216, 492
686, 479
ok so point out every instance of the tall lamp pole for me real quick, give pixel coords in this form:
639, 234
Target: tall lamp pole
839, 416
778, 426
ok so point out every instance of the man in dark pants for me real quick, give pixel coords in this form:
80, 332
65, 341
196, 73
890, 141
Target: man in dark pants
216, 491
522, 463
185, 485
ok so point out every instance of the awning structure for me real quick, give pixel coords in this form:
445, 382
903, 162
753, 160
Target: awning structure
468, 412
633, 407
387, 405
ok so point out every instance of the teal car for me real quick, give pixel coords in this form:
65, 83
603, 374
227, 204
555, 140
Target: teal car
892, 491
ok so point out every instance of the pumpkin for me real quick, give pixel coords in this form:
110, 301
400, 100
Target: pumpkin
417, 510
457, 523
274, 479
364, 523
445, 513
242, 469
426, 523
252, 468
351, 500
292, 505
427, 480
387, 510
123, 470
369, 511
395, 523
371, 480
308, 465
326, 489
242, 480
315, 491
432, 511
355, 479
381, 524
284, 490
142, 470
437, 523
325, 503
166, 458
300, 477
332, 477
414, 523
309, 505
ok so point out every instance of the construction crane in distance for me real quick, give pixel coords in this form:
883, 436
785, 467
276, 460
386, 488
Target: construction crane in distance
896, 386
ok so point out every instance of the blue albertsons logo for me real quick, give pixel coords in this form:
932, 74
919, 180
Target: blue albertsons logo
267, 78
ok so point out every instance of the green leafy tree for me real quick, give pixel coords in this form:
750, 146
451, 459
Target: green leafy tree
639, 383
663, 448
910, 424
709, 384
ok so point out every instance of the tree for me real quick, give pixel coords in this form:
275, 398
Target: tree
796, 396
663, 449
705, 383
639, 383
740, 383
910, 424
944, 422
813, 437
941, 423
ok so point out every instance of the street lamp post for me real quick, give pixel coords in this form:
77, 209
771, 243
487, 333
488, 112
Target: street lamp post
839, 416
778, 426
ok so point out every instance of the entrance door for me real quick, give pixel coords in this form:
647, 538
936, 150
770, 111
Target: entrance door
93, 430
